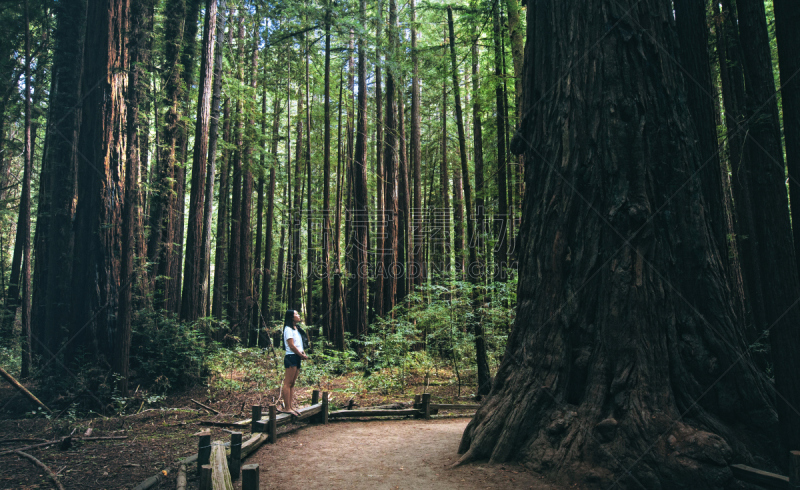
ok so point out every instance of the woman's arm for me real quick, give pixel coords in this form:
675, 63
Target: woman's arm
294, 349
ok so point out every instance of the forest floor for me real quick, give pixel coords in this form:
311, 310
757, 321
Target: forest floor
157, 438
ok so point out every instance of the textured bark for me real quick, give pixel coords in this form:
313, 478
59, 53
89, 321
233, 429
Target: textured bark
462, 144
213, 136
295, 290
377, 286
235, 243
442, 215
246, 297
266, 304
787, 32
194, 277
766, 175
358, 240
624, 333
417, 270
389, 251
96, 328
692, 30
404, 247
326, 309
220, 255
732, 78
258, 270
24, 221
63, 159
501, 221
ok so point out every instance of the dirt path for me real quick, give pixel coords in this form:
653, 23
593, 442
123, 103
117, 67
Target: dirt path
383, 455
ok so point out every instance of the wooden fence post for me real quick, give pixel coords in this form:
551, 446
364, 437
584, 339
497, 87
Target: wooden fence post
794, 469
426, 405
324, 407
205, 477
236, 455
250, 477
315, 397
273, 424
203, 450
255, 417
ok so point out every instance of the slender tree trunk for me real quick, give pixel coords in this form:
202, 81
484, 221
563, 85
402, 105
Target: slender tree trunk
377, 289
766, 174
501, 249
266, 305
295, 292
442, 214
194, 269
24, 221
591, 382
246, 296
358, 240
418, 269
390, 243
787, 20
220, 254
732, 77
213, 135
254, 325
235, 248
327, 306
404, 247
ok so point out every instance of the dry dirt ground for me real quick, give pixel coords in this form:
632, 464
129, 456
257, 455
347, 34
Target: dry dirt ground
390, 454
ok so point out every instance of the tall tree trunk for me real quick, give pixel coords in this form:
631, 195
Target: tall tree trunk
130, 210
246, 297
65, 114
194, 269
254, 325
404, 247
377, 289
732, 78
295, 297
213, 135
266, 305
24, 222
358, 240
501, 254
96, 325
591, 382
766, 175
163, 215
390, 244
327, 306
418, 269
220, 255
235, 247
477, 143
442, 215
787, 20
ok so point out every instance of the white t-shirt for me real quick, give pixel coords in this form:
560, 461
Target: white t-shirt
291, 333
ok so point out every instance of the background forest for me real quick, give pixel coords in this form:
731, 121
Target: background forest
348, 161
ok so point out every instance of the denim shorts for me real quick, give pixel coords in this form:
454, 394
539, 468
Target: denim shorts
291, 360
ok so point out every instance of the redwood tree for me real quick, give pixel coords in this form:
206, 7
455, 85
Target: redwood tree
625, 334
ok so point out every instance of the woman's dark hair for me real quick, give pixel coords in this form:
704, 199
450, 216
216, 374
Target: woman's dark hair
288, 318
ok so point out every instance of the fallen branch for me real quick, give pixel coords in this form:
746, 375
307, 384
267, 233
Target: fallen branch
42, 466
104, 438
216, 412
22, 439
21, 388
33, 446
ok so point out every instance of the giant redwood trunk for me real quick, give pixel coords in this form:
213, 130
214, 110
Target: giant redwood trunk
626, 364
96, 327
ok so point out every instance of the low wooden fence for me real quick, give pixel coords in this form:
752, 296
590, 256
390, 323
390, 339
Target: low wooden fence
220, 463
771, 480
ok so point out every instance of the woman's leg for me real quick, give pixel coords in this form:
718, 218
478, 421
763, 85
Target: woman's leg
286, 390
291, 386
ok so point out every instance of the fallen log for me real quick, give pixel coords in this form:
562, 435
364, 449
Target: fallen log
220, 475
42, 466
16, 384
32, 446
215, 412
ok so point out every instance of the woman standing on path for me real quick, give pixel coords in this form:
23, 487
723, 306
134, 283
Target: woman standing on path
293, 342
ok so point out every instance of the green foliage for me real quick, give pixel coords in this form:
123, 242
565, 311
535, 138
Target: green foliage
166, 353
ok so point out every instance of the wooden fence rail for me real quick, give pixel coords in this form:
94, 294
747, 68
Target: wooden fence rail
771, 480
